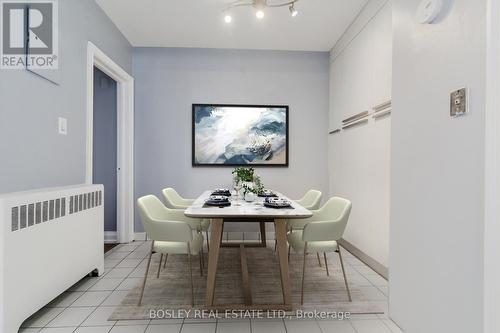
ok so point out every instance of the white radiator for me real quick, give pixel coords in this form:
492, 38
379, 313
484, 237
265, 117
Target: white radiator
49, 240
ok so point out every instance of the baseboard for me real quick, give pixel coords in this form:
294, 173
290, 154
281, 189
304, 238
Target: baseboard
242, 236
369, 261
140, 236
110, 237
226, 236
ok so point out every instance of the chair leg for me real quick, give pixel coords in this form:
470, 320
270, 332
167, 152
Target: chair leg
202, 260
146, 275
288, 252
165, 263
159, 267
191, 274
319, 260
275, 243
303, 275
343, 272
201, 263
208, 244
326, 264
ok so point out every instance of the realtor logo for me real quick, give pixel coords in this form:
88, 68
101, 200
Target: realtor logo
29, 34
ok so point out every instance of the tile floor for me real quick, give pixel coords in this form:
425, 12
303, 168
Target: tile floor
86, 306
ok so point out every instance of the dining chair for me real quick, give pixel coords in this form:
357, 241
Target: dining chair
174, 201
311, 201
321, 234
171, 233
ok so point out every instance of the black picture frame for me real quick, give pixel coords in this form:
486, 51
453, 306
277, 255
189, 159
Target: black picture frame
193, 134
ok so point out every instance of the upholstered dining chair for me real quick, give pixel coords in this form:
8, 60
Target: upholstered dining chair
171, 233
174, 201
321, 234
311, 201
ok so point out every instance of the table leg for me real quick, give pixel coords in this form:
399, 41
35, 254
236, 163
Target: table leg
263, 240
280, 230
247, 289
213, 258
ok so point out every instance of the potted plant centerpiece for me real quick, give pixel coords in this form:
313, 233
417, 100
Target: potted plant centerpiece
250, 182
250, 192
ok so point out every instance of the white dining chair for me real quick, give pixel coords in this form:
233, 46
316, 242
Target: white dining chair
321, 233
174, 201
171, 233
311, 201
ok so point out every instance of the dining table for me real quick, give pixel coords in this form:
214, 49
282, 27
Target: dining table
255, 211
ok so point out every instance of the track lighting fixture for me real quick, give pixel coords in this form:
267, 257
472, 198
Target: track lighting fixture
260, 7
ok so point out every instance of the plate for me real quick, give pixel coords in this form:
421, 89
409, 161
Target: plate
277, 203
267, 194
218, 200
222, 191
217, 203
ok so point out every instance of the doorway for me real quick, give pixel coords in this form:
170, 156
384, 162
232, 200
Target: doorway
124, 138
104, 150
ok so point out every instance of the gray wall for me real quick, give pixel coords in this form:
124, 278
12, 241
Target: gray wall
105, 143
169, 80
33, 154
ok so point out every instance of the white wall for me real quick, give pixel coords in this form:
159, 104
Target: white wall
492, 179
169, 80
359, 158
437, 183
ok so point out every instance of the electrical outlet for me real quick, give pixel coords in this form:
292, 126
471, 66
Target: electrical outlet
63, 126
459, 102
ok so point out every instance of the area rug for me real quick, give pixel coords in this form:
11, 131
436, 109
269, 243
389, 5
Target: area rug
171, 291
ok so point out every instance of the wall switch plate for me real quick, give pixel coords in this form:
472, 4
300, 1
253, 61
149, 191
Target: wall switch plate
63, 126
459, 100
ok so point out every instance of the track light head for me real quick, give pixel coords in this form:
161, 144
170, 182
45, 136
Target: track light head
292, 9
260, 14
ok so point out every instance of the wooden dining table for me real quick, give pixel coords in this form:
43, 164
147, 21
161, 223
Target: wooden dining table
248, 212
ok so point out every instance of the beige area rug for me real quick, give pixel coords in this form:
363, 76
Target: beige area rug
172, 290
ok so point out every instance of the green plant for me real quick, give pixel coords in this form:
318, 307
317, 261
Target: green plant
243, 174
258, 184
249, 188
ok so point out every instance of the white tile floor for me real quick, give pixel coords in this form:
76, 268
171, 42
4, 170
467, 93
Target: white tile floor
86, 306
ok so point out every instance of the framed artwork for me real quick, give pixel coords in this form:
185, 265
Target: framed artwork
239, 135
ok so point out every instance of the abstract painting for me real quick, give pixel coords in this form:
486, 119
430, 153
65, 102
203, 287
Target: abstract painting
235, 135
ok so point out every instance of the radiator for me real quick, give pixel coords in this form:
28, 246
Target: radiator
49, 240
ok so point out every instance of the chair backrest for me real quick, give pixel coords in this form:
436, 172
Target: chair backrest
173, 200
329, 222
311, 200
158, 223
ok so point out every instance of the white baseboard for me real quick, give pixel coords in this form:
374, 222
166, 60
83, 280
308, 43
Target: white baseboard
242, 236
139, 236
110, 237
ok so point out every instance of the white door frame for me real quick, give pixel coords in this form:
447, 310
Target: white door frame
492, 172
125, 140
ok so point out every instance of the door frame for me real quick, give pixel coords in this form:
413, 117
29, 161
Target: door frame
491, 269
125, 139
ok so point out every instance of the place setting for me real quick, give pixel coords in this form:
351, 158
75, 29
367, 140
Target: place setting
248, 186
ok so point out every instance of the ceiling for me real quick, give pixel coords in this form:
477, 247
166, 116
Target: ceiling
200, 23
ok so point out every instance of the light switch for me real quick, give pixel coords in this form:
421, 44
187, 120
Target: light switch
458, 102
63, 126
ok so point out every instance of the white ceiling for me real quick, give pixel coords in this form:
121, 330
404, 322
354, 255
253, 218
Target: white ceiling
200, 23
